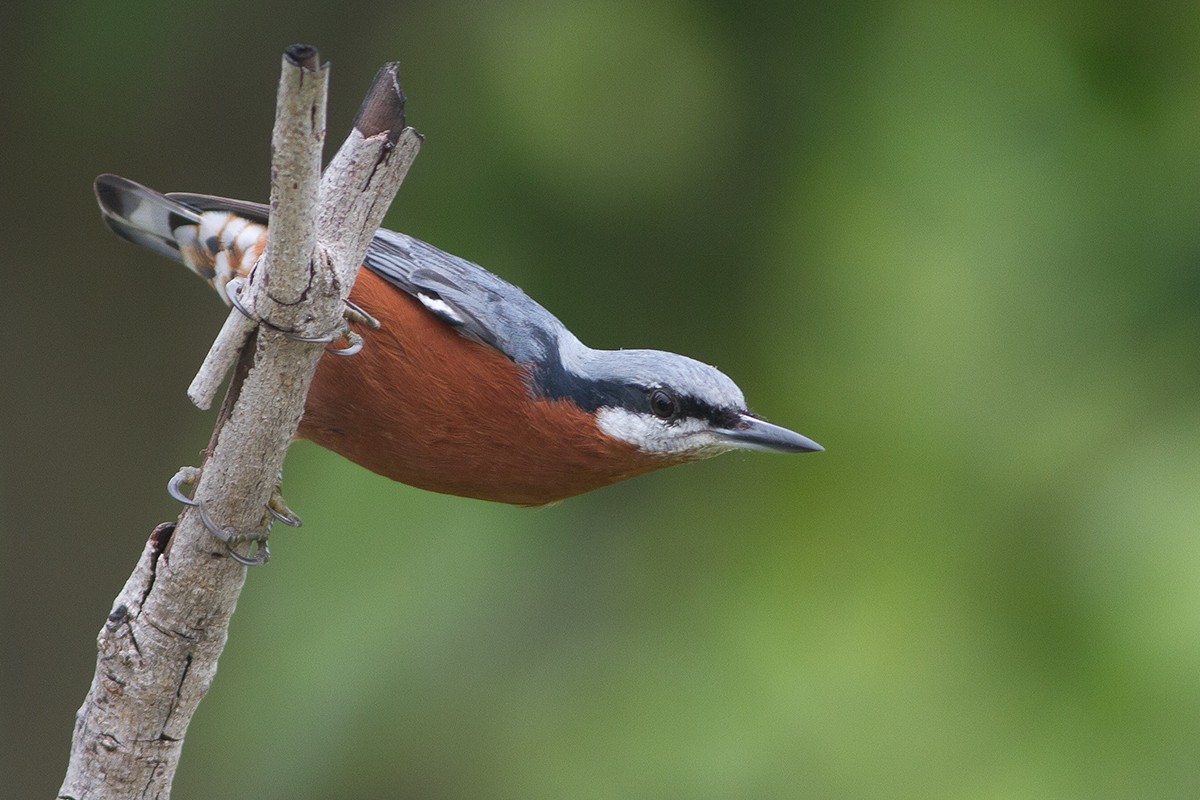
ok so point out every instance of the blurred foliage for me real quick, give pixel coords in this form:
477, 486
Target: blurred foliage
955, 243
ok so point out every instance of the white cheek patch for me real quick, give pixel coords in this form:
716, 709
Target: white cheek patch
648, 433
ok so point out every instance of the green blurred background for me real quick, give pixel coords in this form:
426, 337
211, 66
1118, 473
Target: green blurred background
955, 243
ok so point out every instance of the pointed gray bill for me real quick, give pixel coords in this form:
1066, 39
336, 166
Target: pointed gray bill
752, 433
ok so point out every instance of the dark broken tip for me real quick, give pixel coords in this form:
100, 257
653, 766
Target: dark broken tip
304, 56
382, 110
118, 615
160, 537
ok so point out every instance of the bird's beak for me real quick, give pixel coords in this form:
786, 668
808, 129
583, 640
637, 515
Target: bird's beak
752, 433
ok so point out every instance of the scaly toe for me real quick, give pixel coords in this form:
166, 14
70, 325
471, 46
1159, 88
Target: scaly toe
280, 511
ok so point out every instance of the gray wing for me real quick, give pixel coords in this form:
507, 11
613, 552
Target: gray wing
481, 306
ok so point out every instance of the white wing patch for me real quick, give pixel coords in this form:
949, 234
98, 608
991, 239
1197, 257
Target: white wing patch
440, 307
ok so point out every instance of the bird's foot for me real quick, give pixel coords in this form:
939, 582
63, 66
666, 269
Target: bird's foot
352, 313
276, 509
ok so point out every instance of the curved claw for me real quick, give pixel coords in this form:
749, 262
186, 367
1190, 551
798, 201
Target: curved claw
356, 341
261, 556
233, 290
228, 537
187, 476
328, 338
231, 538
356, 344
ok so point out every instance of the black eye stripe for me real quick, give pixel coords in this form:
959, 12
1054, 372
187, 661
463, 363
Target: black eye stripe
694, 408
551, 381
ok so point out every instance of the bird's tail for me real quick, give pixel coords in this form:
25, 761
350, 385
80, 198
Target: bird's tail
218, 244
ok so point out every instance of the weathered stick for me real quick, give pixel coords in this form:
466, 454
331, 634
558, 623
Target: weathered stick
299, 133
158, 649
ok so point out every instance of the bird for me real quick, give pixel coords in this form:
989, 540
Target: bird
468, 387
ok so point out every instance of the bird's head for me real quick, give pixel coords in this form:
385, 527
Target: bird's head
667, 405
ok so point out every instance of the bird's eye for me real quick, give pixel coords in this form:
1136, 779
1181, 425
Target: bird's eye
663, 404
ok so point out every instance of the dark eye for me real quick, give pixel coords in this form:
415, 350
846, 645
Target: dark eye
663, 404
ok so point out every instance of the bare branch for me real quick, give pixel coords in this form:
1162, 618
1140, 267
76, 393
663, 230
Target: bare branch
295, 174
159, 647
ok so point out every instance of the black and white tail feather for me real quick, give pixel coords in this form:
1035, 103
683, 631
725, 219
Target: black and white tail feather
143, 216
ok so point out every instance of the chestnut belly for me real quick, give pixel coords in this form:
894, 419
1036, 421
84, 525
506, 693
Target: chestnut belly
423, 405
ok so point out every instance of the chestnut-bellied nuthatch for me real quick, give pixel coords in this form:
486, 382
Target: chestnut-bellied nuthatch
468, 386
